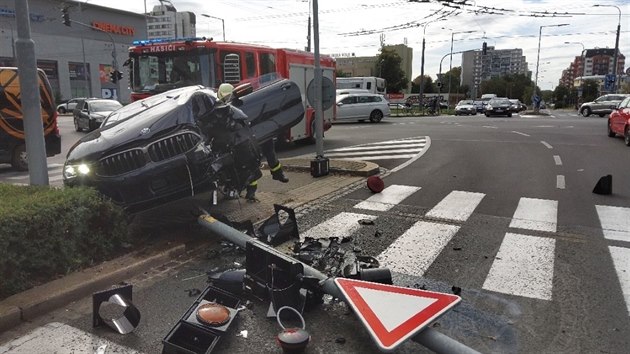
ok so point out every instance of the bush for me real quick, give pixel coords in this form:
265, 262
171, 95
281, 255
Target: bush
46, 233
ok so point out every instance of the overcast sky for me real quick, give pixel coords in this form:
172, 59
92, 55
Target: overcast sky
353, 26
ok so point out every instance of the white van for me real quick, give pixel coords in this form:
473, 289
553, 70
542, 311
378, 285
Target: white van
362, 106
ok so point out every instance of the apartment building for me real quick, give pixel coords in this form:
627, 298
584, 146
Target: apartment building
478, 67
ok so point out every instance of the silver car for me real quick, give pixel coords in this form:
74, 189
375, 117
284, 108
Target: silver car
362, 106
603, 105
466, 107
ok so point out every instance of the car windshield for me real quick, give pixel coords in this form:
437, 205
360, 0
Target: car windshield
104, 106
465, 102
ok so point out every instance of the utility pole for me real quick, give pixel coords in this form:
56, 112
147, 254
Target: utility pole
31, 107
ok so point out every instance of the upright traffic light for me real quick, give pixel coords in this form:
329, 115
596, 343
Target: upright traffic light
65, 16
118, 75
484, 48
113, 76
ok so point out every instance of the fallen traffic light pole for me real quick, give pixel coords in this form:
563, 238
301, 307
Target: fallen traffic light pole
431, 339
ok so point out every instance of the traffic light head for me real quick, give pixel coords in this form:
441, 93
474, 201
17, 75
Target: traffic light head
118, 75
484, 48
113, 76
65, 16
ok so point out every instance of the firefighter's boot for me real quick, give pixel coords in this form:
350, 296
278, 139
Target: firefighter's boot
278, 175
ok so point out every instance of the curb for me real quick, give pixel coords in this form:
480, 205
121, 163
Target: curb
57, 293
336, 166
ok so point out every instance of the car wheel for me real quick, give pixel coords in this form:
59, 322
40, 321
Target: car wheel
509, 114
626, 136
76, 125
62, 110
601, 115
611, 133
19, 160
376, 116
487, 115
586, 112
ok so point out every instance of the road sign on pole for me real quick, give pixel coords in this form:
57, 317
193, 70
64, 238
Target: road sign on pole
393, 314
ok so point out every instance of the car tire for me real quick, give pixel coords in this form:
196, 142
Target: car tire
376, 116
19, 158
611, 133
487, 115
586, 111
61, 110
601, 115
76, 125
509, 114
626, 136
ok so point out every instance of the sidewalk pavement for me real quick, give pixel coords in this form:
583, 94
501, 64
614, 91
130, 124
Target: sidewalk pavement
301, 189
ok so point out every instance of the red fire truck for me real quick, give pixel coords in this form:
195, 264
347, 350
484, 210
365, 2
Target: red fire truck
161, 65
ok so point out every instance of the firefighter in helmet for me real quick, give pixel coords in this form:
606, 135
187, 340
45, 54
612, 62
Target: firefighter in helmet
224, 94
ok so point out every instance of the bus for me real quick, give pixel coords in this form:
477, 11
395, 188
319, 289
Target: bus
163, 64
370, 83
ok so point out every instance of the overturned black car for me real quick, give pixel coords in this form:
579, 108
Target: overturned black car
181, 143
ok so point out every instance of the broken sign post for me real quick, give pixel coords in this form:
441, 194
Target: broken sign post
432, 339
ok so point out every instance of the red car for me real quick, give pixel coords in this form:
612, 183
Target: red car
619, 121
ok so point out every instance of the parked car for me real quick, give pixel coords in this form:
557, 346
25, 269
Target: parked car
90, 113
69, 105
479, 105
466, 107
517, 106
619, 121
362, 106
498, 107
602, 105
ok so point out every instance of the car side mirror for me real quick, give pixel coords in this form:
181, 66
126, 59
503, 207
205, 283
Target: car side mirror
242, 90
340, 104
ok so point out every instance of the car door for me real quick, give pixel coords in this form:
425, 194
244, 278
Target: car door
364, 107
84, 116
346, 108
618, 119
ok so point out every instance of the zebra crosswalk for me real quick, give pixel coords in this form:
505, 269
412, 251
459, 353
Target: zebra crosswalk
407, 148
524, 263
55, 176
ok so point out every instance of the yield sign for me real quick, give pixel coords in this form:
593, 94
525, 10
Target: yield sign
392, 314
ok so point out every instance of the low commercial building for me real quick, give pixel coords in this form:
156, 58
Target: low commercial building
76, 58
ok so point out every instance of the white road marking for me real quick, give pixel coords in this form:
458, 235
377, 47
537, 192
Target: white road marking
621, 260
490, 127
388, 198
519, 133
376, 152
342, 225
457, 206
371, 148
414, 251
560, 184
615, 222
411, 140
57, 337
523, 267
546, 144
544, 126
379, 157
416, 157
536, 214
557, 159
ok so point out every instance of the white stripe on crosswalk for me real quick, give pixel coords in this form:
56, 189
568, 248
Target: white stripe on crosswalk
523, 267
615, 222
342, 225
621, 260
414, 251
374, 152
378, 157
389, 142
536, 214
370, 147
457, 206
388, 198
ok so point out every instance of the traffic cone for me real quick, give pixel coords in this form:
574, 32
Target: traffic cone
604, 185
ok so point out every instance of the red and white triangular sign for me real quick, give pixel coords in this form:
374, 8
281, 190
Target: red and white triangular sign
392, 314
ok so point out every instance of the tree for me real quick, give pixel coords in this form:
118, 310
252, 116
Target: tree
340, 73
388, 67
429, 87
516, 86
590, 90
454, 75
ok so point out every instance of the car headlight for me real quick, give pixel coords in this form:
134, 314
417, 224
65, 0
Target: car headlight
488, 106
74, 171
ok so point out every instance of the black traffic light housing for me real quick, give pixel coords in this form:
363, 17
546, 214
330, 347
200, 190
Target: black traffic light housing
484, 48
115, 76
65, 16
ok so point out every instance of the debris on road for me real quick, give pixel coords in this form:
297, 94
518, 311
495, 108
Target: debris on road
125, 317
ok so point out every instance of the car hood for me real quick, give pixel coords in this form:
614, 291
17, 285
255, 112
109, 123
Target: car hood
100, 114
159, 116
465, 106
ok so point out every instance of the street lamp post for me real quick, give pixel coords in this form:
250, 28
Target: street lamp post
217, 18
538, 56
424, 32
614, 72
583, 67
450, 65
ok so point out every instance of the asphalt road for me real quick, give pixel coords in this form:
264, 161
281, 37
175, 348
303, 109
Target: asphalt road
501, 207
